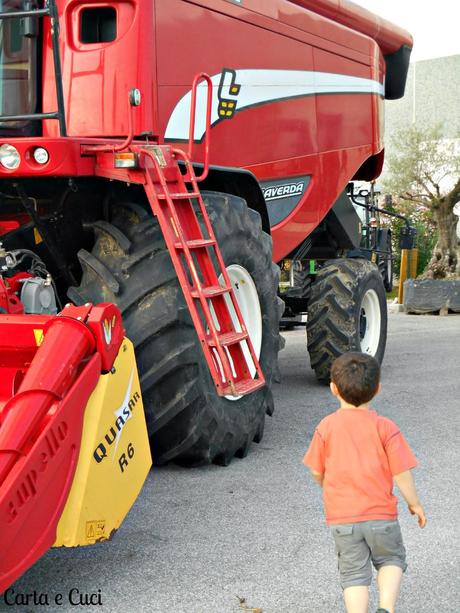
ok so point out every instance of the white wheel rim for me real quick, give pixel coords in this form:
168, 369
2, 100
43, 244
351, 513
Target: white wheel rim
370, 322
247, 298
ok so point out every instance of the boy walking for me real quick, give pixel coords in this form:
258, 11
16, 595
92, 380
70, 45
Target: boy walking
356, 455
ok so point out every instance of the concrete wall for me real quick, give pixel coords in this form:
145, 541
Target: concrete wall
432, 96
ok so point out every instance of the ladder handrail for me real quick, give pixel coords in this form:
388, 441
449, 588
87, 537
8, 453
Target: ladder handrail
202, 76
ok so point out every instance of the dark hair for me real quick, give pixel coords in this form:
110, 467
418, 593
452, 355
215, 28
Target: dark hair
356, 376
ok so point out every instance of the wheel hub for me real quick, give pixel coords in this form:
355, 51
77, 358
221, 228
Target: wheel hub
369, 322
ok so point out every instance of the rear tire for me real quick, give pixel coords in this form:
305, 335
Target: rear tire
347, 312
130, 266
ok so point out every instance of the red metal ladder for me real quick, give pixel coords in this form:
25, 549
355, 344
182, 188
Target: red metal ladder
200, 269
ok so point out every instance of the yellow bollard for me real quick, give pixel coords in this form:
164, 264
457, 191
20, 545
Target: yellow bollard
403, 273
413, 263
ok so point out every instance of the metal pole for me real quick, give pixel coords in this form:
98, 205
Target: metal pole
57, 65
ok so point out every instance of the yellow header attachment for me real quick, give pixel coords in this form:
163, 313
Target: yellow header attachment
114, 457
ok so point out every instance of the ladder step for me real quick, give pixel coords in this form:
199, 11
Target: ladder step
244, 387
196, 243
179, 195
229, 338
211, 291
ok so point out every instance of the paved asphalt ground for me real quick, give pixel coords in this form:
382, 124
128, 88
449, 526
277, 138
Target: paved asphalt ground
197, 538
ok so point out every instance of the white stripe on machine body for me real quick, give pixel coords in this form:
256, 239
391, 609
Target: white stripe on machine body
262, 87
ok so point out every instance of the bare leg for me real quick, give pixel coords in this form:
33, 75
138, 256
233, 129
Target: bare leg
356, 598
389, 582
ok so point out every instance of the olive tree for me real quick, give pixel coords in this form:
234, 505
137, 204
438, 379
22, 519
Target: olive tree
424, 173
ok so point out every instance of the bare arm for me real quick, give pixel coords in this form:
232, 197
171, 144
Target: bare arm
318, 477
406, 485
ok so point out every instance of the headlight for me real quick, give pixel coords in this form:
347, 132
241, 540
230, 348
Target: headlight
41, 155
9, 157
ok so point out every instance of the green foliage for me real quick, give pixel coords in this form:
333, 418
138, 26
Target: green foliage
396, 225
393, 294
423, 166
423, 178
425, 242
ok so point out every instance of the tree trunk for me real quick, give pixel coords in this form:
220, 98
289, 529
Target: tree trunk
445, 260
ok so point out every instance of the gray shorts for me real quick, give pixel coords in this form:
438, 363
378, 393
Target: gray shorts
362, 543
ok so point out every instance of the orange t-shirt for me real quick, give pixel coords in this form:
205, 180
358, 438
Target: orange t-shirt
358, 452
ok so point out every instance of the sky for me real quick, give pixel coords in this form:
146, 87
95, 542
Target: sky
433, 25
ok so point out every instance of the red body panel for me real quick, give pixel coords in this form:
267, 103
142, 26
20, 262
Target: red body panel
97, 77
388, 36
324, 134
327, 137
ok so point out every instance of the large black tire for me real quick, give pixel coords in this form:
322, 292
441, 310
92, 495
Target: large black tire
347, 302
129, 265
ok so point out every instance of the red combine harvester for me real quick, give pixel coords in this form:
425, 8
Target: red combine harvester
113, 196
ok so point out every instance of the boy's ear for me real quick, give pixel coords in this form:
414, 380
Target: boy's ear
334, 390
378, 389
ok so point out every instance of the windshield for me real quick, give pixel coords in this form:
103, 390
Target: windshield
18, 64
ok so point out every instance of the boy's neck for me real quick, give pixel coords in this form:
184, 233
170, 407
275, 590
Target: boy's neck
345, 406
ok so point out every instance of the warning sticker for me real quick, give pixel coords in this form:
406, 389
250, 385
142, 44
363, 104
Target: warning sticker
95, 529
